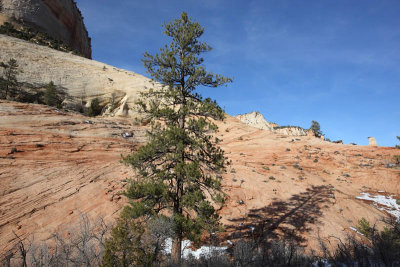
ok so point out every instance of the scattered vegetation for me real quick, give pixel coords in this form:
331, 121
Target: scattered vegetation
83, 246
288, 126
86, 245
11, 89
35, 36
383, 248
296, 166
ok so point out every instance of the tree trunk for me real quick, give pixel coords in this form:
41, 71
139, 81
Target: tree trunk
176, 250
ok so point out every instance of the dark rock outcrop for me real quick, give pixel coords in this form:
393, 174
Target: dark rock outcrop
60, 19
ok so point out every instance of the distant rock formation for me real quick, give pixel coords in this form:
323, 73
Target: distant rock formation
372, 141
255, 119
293, 131
61, 19
80, 79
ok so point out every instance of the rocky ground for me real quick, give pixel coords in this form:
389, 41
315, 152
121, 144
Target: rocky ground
55, 165
301, 188
78, 79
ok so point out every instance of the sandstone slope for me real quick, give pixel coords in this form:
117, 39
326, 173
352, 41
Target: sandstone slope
302, 187
55, 165
79, 78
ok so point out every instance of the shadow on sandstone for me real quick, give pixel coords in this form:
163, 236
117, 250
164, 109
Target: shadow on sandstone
285, 220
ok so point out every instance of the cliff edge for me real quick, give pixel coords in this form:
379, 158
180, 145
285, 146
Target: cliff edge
60, 19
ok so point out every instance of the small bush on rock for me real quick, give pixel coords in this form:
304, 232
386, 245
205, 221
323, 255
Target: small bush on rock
50, 96
95, 108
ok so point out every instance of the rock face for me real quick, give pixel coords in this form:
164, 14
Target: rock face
56, 164
292, 131
79, 78
255, 119
61, 19
372, 141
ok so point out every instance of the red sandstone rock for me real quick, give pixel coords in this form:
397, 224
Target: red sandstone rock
68, 165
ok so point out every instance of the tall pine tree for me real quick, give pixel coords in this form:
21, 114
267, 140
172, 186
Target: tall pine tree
9, 83
178, 169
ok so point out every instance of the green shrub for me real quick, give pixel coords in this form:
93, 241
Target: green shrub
364, 227
316, 128
396, 159
95, 108
9, 86
50, 96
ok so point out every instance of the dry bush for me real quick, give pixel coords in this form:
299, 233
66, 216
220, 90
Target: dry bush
82, 246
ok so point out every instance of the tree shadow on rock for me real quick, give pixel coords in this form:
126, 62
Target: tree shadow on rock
287, 220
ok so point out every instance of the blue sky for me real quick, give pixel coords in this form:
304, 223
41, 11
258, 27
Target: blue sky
336, 62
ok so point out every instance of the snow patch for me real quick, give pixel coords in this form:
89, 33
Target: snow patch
386, 203
355, 230
204, 251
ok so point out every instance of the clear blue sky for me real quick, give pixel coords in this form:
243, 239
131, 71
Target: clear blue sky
336, 62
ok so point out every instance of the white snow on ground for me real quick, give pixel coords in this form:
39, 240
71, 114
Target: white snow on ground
387, 204
355, 230
186, 250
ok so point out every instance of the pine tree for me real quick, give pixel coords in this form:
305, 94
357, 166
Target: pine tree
9, 83
50, 96
124, 246
95, 108
316, 128
178, 169
397, 146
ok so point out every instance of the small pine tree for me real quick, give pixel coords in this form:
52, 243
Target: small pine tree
95, 108
177, 170
364, 227
397, 146
9, 84
316, 128
50, 96
123, 248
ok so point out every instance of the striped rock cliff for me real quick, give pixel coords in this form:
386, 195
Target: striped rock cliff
61, 19
80, 79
